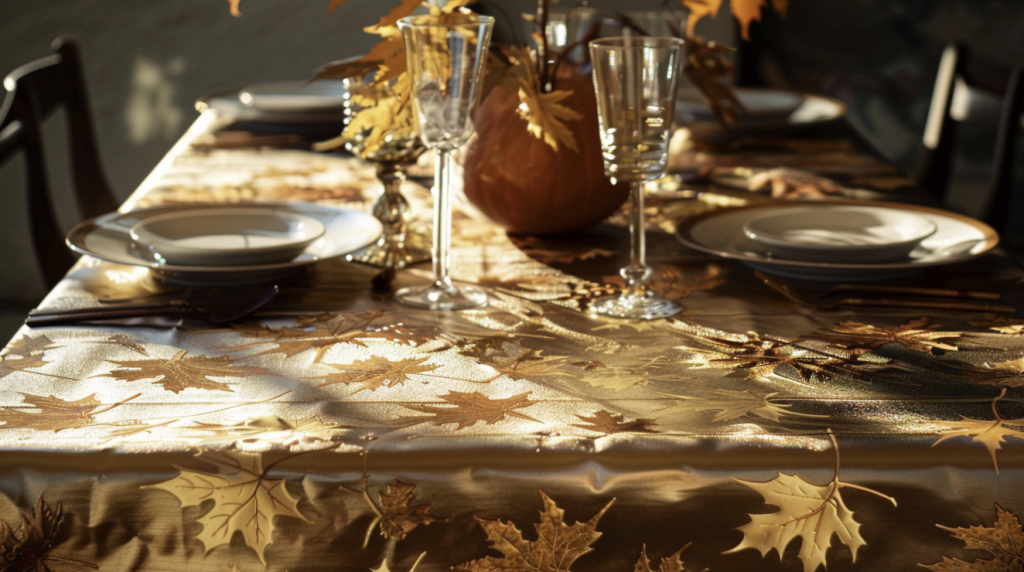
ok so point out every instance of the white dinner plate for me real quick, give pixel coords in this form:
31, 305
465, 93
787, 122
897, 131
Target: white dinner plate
296, 96
825, 233
768, 110
720, 232
108, 238
228, 236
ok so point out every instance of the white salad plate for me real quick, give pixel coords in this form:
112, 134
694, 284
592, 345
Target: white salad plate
720, 232
296, 96
226, 236
846, 233
108, 238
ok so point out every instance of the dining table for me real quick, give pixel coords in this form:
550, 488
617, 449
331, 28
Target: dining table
335, 429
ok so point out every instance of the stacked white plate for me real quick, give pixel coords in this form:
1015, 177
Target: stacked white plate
214, 244
838, 240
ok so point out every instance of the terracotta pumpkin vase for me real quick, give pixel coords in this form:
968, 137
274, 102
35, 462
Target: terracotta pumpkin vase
523, 184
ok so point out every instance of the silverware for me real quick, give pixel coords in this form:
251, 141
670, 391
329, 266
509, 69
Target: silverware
213, 311
786, 291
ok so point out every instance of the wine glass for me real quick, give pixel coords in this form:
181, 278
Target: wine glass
395, 150
446, 62
635, 79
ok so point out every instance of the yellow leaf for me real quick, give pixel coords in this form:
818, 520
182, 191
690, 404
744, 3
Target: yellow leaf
746, 11
557, 547
809, 512
233, 6
245, 499
405, 8
543, 112
992, 434
1004, 541
699, 9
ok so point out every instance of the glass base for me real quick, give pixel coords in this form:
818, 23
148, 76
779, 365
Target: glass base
634, 307
441, 297
390, 255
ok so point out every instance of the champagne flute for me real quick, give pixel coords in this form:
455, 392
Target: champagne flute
446, 62
635, 80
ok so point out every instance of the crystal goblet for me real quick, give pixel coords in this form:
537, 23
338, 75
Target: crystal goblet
635, 80
391, 153
446, 62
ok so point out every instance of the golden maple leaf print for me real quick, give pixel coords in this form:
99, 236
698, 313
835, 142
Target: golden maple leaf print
992, 434
319, 333
182, 371
919, 335
557, 547
467, 409
376, 372
812, 513
28, 547
668, 564
30, 351
732, 404
397, 514
607, 422
1004, 542
54, 413
245, 499
519, 363
264, 433
752, 357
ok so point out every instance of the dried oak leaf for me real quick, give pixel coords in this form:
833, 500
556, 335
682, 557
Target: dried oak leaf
992, 434
27, 549
557, 547
398, 515
607, 422
376, 372
54, 413
468, 409
732, 404
181, 371
917, 335
810, 512
319, 333
1004, 541
244, 499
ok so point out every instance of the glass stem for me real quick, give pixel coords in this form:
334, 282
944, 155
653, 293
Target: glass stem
442, 219
636, 273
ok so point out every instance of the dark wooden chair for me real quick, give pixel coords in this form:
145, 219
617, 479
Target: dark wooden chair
34, 92
951, 104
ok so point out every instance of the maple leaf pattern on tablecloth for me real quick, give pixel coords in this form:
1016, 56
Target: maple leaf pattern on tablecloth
375, 372
1007, 326
468, 409
732, 404
607, 422
398, 514
54, 413
519, 363
1004, 542
245, 499
557, 547
674, 283
812, 513
30, 351
1008, 373
27, 548
182, 371
992, 433
264, 433
919, 335
319, 333
554, 251
620, 378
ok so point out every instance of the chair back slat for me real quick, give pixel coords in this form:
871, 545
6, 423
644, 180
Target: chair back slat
1001, 190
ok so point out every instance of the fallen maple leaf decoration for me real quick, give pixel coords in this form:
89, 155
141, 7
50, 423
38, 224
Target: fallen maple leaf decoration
668, 564
396, 515
468, 409
557, 547
319, 333
27, 549
376, 372
182, 371
810, 512
992, 434
245, 499
732, 404
1004, 541
54, 413
919, 335
609, 423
